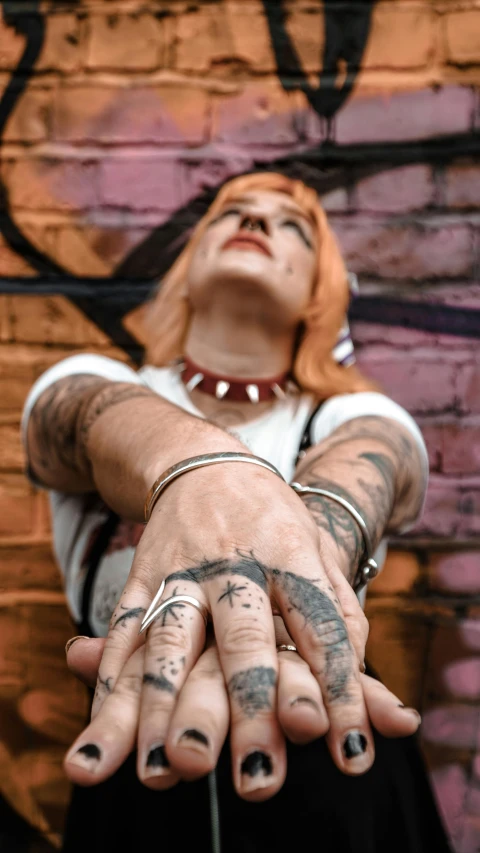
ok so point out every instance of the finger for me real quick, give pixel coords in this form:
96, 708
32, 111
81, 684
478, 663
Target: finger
83, 659
244, 630
314, 619
123, 639
173, 645
355, 619
199, 725
301, 711
387, 714
107, 741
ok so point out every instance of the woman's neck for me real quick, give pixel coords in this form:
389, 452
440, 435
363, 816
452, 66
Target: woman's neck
240, 351
230, 349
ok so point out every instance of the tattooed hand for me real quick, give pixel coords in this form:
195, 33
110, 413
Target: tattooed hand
241, 542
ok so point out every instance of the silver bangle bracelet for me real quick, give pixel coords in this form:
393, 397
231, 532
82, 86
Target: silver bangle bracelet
368, 568
193, 462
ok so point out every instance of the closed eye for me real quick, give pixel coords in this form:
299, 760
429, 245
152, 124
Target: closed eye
291, 223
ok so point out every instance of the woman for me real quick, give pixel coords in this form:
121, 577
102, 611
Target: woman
255, 309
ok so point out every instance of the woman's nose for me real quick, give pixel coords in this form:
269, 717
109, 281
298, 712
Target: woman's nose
251, 222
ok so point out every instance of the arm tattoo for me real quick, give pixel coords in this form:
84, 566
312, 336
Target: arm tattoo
63, 416
373, 463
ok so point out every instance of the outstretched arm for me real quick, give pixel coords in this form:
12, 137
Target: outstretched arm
87, 433
375, 464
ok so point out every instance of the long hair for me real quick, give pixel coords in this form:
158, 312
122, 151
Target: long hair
314, 368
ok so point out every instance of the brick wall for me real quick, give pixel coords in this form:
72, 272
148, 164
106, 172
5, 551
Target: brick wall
116, 123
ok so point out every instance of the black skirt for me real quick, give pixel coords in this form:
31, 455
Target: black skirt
390, 809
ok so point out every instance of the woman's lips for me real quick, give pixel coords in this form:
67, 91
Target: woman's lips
247, 243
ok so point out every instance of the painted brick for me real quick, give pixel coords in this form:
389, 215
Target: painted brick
398, 191
5, 327
395, 637
140, 183
203, 38
462, 186
161, 115
12, 265
452, 508
51, 184
335, 201
17, 506
122, 42
52, 320
453, 666
450, 787
453, 448
400, 251
461, 36
249, 38
405, 116
262, 114
456, 573
471, 380
199, 174
413, 45
12, 457
29, 567
306, 30
398, 576
11, 45
64, 46
30, 119
452, 726
408, 378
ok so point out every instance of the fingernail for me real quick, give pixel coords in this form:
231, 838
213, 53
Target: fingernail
355, 744
195, 737
88, 756
412, 711
363, 667
157, 761
304, 700
256, 770
73, 640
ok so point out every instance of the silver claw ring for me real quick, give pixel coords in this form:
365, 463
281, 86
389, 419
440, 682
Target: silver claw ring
152, 614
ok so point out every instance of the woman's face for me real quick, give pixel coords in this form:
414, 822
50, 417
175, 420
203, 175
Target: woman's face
261, 246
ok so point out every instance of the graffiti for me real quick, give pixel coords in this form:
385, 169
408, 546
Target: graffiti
327, 166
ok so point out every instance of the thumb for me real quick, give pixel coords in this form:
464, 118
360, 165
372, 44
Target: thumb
83, 658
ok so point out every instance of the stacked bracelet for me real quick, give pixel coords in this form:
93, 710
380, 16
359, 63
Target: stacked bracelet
193, 462
368, 568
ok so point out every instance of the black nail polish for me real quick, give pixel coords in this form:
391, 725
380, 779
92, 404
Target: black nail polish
194, 734
90, 750
355, 744
257, 762
157, 757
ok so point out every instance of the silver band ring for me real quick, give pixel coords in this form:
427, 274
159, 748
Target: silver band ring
173, 600
284, 648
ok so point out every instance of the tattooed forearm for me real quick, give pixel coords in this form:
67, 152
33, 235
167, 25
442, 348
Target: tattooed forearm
61, 420
374, 464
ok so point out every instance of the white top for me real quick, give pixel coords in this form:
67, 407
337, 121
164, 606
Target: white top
274, 436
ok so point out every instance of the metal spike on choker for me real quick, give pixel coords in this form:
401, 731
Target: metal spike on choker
227, 388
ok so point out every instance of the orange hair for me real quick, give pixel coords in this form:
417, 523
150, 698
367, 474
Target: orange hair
314, 368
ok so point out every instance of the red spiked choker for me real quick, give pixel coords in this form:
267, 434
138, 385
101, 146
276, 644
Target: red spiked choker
227, 388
